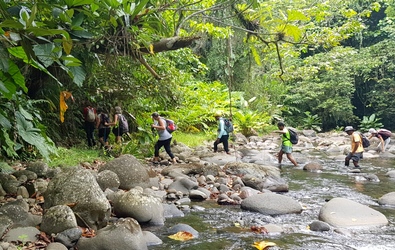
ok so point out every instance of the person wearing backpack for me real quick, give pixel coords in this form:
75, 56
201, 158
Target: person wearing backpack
356, 153
384, 135
222, 134
103, 125
120, 125
90, 118
286, 144
164, 137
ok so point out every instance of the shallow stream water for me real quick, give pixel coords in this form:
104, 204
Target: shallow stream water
228, 227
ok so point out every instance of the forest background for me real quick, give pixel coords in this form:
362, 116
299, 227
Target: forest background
314, 64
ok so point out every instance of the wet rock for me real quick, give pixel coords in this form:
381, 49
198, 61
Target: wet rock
271, 204
391, 174
5, 223
341, 212
197, 195
184, 185
171, 211
387, 199
22, 191
57, 219
123, 234
183, 228
130, 171
319, 226
77, 186
151, 239
313, 166
140, 206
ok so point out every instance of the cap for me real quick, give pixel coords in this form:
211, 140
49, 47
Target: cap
218, 114
349, 128
372, 131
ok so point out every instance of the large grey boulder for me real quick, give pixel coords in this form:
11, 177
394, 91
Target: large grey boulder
57, 219
131, 172
38, 167
123, 234
259, 177
341, 212
271, 204
387, 199
145, 208
78, 187
108, 179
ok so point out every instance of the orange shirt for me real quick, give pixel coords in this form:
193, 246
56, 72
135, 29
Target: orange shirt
356, 137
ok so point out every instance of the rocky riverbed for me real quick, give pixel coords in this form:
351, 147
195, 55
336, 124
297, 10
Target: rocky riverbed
112, 205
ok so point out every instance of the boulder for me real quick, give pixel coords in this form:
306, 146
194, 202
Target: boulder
78, 188
387, 199
142, 207
271, 204
130, 171
57, 219
341, 212
123, 234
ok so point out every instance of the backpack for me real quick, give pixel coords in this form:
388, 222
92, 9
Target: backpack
365, 141
170, 126
228, 125
294, 137
104, 119
90, 116
384, 132
123, 124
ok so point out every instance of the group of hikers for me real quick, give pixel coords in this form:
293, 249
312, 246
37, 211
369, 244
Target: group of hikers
357, 149
100, 120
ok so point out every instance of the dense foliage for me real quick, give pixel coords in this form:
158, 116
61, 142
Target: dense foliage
314, 65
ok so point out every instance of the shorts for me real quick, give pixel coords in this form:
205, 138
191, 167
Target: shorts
104, 132
286, 149
355, 157
117, 131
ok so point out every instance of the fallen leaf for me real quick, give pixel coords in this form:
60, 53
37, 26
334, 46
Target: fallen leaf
260, 230
181, 236
263, 245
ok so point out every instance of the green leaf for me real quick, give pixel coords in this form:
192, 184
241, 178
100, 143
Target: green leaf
44, 53
296, 15
294, 31
25, 114
3, 60
12, 24
79, 75
71, 3
78, 19
4, 122
70, 60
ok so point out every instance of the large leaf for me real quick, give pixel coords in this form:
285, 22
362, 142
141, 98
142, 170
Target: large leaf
3, 60
44, 53
33, 136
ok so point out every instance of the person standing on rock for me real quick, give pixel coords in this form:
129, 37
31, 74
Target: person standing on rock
222, 135
384, 135
356, 152
286, 145
164, 137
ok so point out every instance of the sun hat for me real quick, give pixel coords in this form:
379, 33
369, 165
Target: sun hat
349, 128
372, 131
218, 114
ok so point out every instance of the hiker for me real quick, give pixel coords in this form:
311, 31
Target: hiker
286, 145
222, 135
120, 125
90, 117
356, 152
164, 137
384, 135
103, 125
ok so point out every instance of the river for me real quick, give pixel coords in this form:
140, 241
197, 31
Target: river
228, 227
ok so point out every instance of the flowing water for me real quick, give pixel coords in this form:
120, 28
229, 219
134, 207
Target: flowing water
228, 227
